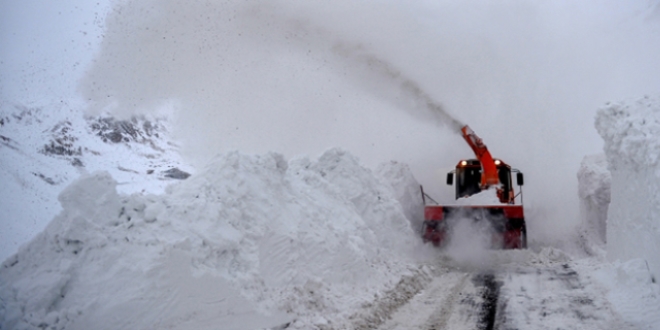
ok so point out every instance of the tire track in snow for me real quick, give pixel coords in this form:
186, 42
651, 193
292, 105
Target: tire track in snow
545, 295
377, 313
439, 319
490, 295
453, 300
553, 297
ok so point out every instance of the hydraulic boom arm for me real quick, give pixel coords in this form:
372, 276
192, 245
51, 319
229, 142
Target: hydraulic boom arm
489, 176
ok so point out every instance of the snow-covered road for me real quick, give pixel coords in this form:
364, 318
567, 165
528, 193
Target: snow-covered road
438, 306
537, 293
551, 297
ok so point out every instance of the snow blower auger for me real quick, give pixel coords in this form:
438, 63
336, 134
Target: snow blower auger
484, 195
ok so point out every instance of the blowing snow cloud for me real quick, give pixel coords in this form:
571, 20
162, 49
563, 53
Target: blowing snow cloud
300, 77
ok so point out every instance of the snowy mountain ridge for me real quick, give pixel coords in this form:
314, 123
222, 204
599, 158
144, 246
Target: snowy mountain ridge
71, 142
44, 148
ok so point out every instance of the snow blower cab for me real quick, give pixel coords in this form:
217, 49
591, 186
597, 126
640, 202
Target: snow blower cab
468, 180
484, 195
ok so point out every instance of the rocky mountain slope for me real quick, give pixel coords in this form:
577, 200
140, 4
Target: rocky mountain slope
44, 148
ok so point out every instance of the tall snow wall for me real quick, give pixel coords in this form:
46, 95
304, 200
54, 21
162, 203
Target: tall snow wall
631, 130
594, 185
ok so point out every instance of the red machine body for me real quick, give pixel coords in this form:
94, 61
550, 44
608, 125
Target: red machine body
505, 219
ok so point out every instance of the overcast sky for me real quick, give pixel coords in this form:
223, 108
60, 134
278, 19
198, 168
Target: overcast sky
45, 45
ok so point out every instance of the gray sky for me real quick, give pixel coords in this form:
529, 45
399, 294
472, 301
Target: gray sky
45, 46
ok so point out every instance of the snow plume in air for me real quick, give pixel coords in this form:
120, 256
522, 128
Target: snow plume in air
372, 73
259, 76
469, 243
408, 87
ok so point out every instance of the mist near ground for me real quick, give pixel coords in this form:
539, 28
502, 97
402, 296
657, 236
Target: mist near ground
386, 80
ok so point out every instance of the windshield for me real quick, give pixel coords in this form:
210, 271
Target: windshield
469, 180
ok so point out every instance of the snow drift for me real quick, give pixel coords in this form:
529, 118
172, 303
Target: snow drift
594, 182
631, 131
282, 240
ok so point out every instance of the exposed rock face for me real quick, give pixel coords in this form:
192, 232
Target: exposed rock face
136, 129
175, 173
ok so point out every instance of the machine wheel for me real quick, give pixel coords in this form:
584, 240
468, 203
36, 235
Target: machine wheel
523, 237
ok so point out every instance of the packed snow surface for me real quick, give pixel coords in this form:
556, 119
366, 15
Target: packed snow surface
302, 240
631, 131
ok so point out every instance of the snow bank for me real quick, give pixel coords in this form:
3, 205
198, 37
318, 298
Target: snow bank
251, 241
631, 293
594, 181
631, 131
486, 197
406, 190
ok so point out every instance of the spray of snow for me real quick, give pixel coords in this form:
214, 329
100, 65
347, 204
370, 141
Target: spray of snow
469, 244
299, 77
278, 239
469, 240
248, 72
407, 87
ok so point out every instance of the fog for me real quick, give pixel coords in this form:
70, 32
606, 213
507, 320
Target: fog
385, 80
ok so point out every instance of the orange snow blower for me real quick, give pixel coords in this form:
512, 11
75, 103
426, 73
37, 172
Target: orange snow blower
484, 175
